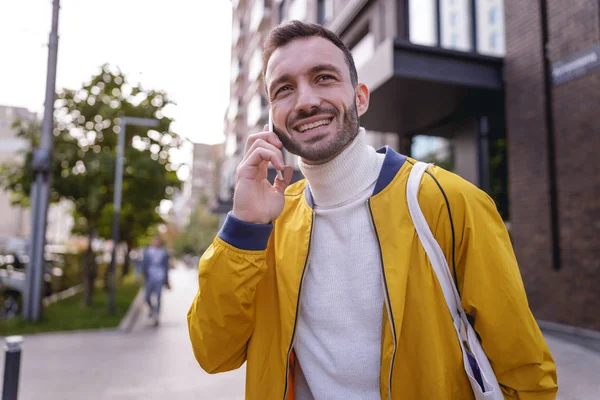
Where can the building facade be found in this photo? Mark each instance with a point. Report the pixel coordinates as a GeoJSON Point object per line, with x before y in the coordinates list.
{"type": "Point", "coordinates": [490, 89]}
{"type": "Point", "coordinates": [202, 183]}
{"type": "Point", "coordinates": [16, 221]}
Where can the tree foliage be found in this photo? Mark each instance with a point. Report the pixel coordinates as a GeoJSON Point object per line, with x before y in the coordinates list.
{"type": "Point", "coordinates": [199, 233]}
{"type": "Point", "coordinates": [87, 123]}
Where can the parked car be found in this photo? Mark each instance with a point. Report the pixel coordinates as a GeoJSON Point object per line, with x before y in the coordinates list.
{"type": "Point", "coordinates": [13, 280]}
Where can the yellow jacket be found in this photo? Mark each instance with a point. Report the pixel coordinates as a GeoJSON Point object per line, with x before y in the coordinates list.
{"type": "Point", "coordinates": [250, 280]}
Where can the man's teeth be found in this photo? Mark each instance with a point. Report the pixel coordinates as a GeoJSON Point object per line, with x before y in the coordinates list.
{"type": "Point", "coordinates": [312, 125]}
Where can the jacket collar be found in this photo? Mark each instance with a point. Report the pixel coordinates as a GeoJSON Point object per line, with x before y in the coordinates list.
{"type": "Point", "coordinates": [391, 165]}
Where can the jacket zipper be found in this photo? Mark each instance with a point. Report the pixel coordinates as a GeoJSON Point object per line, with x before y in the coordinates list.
{"type": "Point", "coordinates": [388, 304]}
{"type": "Point", "coordinates": [287, 362]}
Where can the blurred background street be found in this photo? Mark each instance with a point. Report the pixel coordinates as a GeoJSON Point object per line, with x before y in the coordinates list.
{"type": "Point", "coordinates": [124, 121]}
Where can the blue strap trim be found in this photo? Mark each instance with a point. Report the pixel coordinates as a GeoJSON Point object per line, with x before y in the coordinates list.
{"type": "Point", "coordinates": [308, 195]}
{"type": "Point", "coordinates": [244, 235]}
{"type": "Point", "coordinates": [391, 165]}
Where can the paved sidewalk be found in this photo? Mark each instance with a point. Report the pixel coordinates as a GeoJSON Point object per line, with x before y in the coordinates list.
{"type": "Point", "coordinates": [578, 370]}
{"type": "Point", "coordinates": [153, 363]}
{"type": "Point", "coordinates": [150, 363]}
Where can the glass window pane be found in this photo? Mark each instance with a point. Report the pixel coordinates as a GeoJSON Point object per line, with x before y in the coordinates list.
{"type": "Point", "coordinates": [455, 21]}
{"type": "Point", "coordinates": [434, 149]}
{"type": "Point", "coordinates": [297, 10]}
{"type": "Point", "coordinates": [490, 27]}
{"type": "Point", "coordinates": [254, 110]}
{"type": "Point", "coordinates": [422, 16]}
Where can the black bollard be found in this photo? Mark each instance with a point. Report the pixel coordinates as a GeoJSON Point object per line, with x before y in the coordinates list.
{"type": "Point", "coordinates": [12, 365]}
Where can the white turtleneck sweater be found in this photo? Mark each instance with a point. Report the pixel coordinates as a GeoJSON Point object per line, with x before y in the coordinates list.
{"type": "Point", "coordinates": [338, 333]}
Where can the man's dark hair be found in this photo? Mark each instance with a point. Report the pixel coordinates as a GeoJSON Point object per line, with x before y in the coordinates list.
{"type": "Point", "coordinates": [292, 30]}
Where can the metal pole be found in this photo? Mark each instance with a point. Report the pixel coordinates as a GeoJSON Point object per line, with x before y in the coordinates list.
{"type": "Point", "coordinates": [124, 121]}
{"type": "Point", "coordinates": [40, 189]}
{"type": "Point", "coordinates": [116, 214]}
{"type": "Point", "coordinates": [12, 366]}
{"type": "Point", "coordinates": [474, 26]}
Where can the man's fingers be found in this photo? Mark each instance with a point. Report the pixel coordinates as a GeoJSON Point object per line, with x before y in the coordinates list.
{"type": "Point", "coordinates": [261, 155]}
{"type": "Point", "coordinates": [288, 172]}
{"type": "Point", "coordinates": [279, 184]}
{"type": "Point", "coordinates": [269, 137]}
{"type": "Point", "coordinates": [260, 143]}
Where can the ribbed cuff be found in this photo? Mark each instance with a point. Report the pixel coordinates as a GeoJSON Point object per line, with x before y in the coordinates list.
{"type": "Point", "coordinates": [244, 235]}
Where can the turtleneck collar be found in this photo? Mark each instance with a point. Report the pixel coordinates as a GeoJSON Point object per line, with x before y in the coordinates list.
{"type": "Point", "coordinates": [349, 174]}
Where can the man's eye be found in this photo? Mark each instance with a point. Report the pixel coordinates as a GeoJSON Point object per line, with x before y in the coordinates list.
{"type": "Point", "coordinates": [325, 78]}
{"type": "Point", "coordinates": [282, 89]}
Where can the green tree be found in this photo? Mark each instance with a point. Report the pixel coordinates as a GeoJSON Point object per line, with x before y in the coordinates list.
{"type": "Point", "coordinates": [199, 233]}
{"type": "Point", "coordinates": [86, 131]}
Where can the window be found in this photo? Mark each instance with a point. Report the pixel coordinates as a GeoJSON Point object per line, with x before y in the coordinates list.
{"type": "Point", "coordinates": [422, 22]}
{"type": "Point", "coordinates": [492, 15]}
{"type": "Point", "coordinates": [254, 110]}
{"type": "Point", "coordinates": [233, 109]}
{"type": "Point", "coordinates": [255, 66]}
{"type": "Point", "coordinates": [493, 40]}
{"type": "Point", "coordinates": [257, 14]}
{"type": "Point", "coordinates": [297, 10]}
{"type": "Point", "coordinates": [434, 149]}
{"type": "Point", "coordinates": [490, 27]}
{"type": "Point", "coordinates": [230, 144]}
{"type": "Point", "coordinates": [235, 69]}
{"type": "Point", "coordinates": [455, 23]}
{"type": "Point", "coordinates": [236, 30]}
{"type": "Point", "coordinates": [454, 19]}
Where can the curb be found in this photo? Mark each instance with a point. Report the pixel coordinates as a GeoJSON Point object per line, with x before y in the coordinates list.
{"type": "Point", "coordinates": [584, 337]}
{"type": "Point", "coordinates": [133, 312]}
{"type": "Point", "coordinates": [70, 292]}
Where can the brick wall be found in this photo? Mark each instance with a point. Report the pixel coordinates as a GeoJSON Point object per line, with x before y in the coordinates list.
{"type": "Point", "coordinates": [573, 26]}
{"type": "Point", "coordinates": [569, 295]}
{"type": "Point", "coordinates": [527, 144]}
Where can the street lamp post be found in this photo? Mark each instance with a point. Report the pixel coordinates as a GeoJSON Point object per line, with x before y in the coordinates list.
{"type": "Point", "coordinates": [124, 121]}
{"type": "Point", "coordinates": [40, 188]}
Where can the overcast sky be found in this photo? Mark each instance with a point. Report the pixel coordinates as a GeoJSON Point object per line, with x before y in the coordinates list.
{"type": "Point", "coordinates": [180, 46]}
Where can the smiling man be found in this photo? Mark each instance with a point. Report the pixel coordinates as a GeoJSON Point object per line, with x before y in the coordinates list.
{"type": "Point", "coordinates": [323, 287]}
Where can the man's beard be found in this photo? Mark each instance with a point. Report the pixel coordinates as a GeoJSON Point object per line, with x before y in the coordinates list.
{"type": "Point", "coordinates": [315, 152]}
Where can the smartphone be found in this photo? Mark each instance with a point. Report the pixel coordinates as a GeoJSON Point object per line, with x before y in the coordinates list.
{"type": "Point", "coordinates": [279, 174]}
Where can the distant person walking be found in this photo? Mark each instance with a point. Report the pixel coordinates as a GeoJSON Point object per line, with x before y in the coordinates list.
{"type": "Point", "coordinates": [155, 268]}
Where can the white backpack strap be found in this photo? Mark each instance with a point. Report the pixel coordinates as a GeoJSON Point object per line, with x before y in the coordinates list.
{"type": "Point", "coordinates": [473, 354]}
{"type": "Point", "coordinates": [430, 244]}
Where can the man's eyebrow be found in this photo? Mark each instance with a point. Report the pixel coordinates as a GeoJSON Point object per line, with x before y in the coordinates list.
{"type": "Point", "coordinates": [325, 67]}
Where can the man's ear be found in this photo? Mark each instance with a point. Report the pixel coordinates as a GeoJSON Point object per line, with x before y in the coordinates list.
{"type": "Point", "coordinates": [362, 98]}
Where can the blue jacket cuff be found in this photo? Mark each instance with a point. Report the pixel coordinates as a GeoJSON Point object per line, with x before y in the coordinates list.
{"type": "Point", "coordinates": [244, 235]}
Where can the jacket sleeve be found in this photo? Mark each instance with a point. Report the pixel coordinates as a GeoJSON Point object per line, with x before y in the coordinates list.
{"type": "Point", "coordinates": [478, 248]}
{"type": "Point", "coordinates": [221, 318]}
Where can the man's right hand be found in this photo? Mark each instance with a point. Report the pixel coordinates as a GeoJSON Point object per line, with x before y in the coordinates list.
{"type": "Point", "coordinates": [255, 199]}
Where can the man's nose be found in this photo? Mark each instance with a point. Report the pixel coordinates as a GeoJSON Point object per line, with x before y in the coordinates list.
{"type": "Point", "coordinates": [307, 100]}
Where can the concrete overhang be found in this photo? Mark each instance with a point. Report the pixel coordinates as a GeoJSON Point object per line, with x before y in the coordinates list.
{"type": "Point", "coordinates": [414, 87]}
